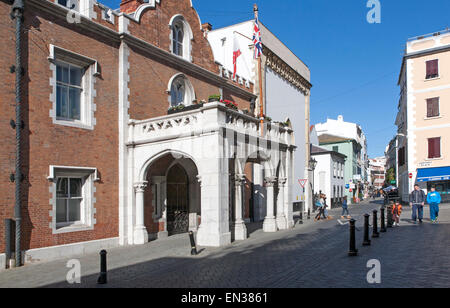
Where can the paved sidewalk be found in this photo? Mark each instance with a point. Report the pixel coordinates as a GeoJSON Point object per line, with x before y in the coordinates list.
{"type": "Point", "coordinates": [311, 255]}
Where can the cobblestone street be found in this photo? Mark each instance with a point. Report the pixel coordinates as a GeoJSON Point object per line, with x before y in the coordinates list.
{"type": "Point", "coordinates": [311, 255]}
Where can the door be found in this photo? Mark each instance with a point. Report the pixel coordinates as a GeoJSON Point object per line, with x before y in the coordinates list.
{"type": "Point", "coordinates": [177, 201]}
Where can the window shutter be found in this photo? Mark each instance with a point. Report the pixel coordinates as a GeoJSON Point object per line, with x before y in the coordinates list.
{"type": "Point", "coordinates": [430, 148]}
{"type": "Point", "coordinates": [434, 147]}
{"type": "Point", "coordinates": [433, 107]}
{"type": "Point", "coordinates": [436, 107]}
{"type": "Point", "coordinates": [437, 147]}
{"type": "Point", "coordinates": [432, 69]}
{"type": "Point", "coordinates": [429, 108]}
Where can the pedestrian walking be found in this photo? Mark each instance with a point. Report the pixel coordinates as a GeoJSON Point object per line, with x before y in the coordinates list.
{"type": "Point", "coordinates": [417, 201]}
{"type": "Point", "coordinates": [396, 213]}
{"type": "Point", "coordinates": [320, 206]}
{"type": "Point", "coordinates": [434, 200]}
{"type": "Point", "coordinates": [345, 209]}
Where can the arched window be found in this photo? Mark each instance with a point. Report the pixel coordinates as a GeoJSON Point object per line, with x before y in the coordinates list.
{"type": "Point", "coordinates": [181, 37]}
{"type": "Point", "coordinates": [177, 40]}
{"type": "Point", "coordinates": [178, 92]}
{"type": "Point", "coordinates": [181, 91]}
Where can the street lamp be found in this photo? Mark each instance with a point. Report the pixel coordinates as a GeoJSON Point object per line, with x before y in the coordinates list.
{"type": "Point", "coordinates": [396, 157]}
{"type": "Point", "coordinates": [396, 161]}
{"type": "Point", "coordinates": [312, 166]}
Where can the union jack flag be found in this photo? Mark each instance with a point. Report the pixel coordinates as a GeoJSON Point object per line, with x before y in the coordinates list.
{"type": "Point", "coordinates": [257, 40]}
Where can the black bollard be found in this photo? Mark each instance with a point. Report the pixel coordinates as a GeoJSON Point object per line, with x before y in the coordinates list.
{"type": "Point", "coordinates": [366, 230]}
{"type": "Point", "coordinates": [353, 252]}
{"type": "Point", "coordinates": [103, 269]}
{"type": "Point", "coordinates": [301, 217]}
{"type": "Point", "coordinates": [194, 247]}
{"type": "Point", "coordinates": [309, 214]}
{"type": "Point", "coordinates": [383, 220]}
{"type": "Point", "coordinates": [390, 221]}
{"type": "Point", "coordinates": [375, 224]}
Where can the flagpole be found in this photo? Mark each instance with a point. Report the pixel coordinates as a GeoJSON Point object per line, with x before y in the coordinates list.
{"type": "Point", "coordinates": [261, 98]}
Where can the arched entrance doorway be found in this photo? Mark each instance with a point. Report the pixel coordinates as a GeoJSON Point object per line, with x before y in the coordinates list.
{"type": "Point", "coordinates": [172, 195]}
{"type": "Point", "coordinates": [177, 200]}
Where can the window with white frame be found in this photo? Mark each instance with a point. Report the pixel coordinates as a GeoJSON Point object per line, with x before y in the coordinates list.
{"type": "Point", "coordinates": [73, 81]}
{"type": "Point", "coordinates": [73, 198]}
{"type": "Point", "coordinates": [68, 91]}
{"type": "Point", "coordinates": [177, 39]}
{"type": "Point", "coordinates": [181, 37]}
{"type": "Point", "coordinates": [181, 91]}
{"type": "Point", "coordinates": [178, 92]}
{"type": "Point", "coordinates": [69, 198]}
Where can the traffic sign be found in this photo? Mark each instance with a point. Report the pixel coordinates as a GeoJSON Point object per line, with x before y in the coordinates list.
{"type": "Point", "coordinates": [303, 182]}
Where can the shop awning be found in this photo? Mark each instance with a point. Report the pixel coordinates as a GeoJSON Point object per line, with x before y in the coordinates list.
{"type": "Point", "coordinates": [433, 174]}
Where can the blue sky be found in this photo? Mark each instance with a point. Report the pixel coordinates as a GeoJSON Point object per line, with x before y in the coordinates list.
{"type": "Point", "coordinates": [354, 65]}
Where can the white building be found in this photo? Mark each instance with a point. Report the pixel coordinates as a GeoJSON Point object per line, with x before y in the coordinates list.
{"type": "Point", "coordinates": [286, 84]}
{"type": "Point", "coordinates": [348, 139]}
{"type": "Point", "coordinates": [329, 176]}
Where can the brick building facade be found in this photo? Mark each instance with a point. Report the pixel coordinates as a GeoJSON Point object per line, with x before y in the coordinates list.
{"type": "Point", "coordinates": [101, 154]}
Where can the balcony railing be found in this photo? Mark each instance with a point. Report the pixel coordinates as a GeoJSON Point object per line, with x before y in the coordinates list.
{"type": "Point", "coordinates": [210, 117]}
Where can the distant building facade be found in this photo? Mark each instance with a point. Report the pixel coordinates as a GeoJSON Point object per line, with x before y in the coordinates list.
{"type": "Point", "coordinates": [423, 118]}
{"type": "Point", "coordinates": [329, 175]}
{"type": "Point", "coordinates": [377, 171]}
{"type": "Point", "coordinates": [348, 139]}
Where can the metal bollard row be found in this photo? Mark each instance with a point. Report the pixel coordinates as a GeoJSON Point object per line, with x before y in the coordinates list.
{"type": "Point", "coordinates": [386, 222]}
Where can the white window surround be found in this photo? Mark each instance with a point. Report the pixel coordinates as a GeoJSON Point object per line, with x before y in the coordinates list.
{"type": "Point", "coordinates": [91, 68]}
{"type": "Point", "coordinates": [433, 118]}
{"type": "Point", "coordinates": [87, 211]}
{"type": "Point", "coordinates": [187, 38]}
{"type": "Point", "coordinates": [189, 94]}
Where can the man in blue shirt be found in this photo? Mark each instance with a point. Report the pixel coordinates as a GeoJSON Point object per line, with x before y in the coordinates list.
{"type": "Point", "coordinates": [434, 199]}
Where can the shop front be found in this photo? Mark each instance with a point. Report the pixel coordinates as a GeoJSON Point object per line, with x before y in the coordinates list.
{"type": "Point", "coordinates": [436, 177]}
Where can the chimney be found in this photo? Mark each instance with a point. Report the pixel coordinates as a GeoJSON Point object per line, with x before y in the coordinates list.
{"type": "Point", "coordinates": [341, 118]}
{"type": "Point", "coordinates": [206, 27]}
{"type": "Point", "coordinates": [130, 6]}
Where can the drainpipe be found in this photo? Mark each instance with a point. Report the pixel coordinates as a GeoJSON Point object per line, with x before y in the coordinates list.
{"type": "Point", "coordinates": [17, 14]}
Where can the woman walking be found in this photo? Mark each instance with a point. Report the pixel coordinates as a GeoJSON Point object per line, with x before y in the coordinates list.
{"type": "Point", "coordinates": [345, 209]}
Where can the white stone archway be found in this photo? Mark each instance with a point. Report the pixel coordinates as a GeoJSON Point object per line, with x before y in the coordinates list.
{"type": "Point", "coordinates": [218, 141]}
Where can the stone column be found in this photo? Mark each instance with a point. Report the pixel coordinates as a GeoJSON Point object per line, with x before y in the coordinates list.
{"type": "Point", "coordinates": [140, 231]}
{"type": "Point", "coordinates": [281, 218]}
{"type": "Point", "coordinates": [214, 230]}
{"type": "Point", "coordinates": [270, 224]}
{"type": "Point", "coordinates": [240, 230]}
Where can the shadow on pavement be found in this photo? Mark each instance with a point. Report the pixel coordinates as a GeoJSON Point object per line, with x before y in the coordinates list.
{"type": "Point", "coordinates": [308, 259]}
